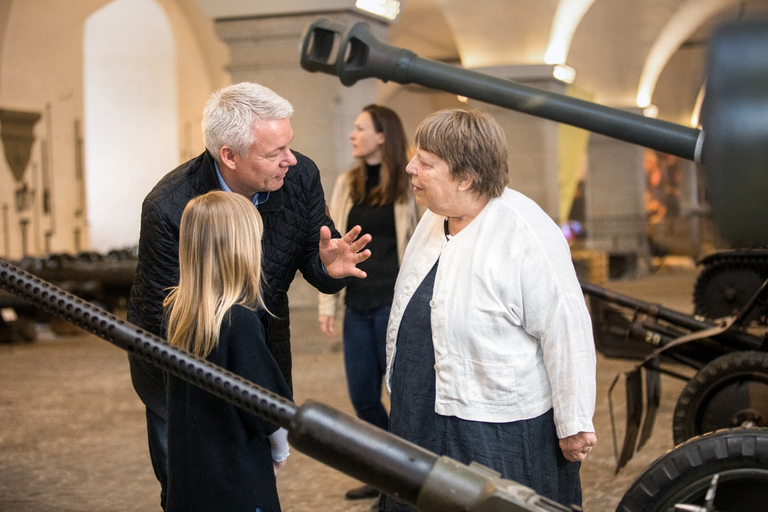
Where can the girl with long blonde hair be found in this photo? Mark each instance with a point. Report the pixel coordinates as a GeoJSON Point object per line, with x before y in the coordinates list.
{"type": "Point", "coordinates": [220, 457]}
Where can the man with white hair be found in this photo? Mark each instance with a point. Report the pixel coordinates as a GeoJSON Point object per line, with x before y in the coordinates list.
{"type": "Point", "coordinates": [247, 132]}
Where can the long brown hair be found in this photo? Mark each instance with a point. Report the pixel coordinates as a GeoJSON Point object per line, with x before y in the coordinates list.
{"type": "Point", "coordinates": [394, 184]}
{"type": "Point", "coordinates": [219, 266]}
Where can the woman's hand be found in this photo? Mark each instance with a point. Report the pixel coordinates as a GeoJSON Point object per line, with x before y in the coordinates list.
{"type": "Point", "coordinates": [577, 447]}
{"type": "Point", "coordinates": [326, 325]}
{"type": "Point", "coordinates": [277, 466]}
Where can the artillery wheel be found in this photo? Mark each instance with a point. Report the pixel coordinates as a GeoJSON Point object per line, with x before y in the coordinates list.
{"type": "Point", "coordinates": [725, 287]}
{"type": "Point", "coordinates": [730, 391]}
{"type": "Point", "coordinates": [683, 475]}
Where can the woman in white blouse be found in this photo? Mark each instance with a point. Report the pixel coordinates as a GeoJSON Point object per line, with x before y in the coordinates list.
{"type": "Point", "coordinates": [489, 343]}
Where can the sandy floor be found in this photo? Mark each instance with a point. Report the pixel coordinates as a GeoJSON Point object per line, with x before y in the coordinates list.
{"type": "Point", "coordinates": [72, 432]}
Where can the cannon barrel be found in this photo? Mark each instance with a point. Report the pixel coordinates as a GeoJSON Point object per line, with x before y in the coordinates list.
{"type": "Point", "coordinates": [393, 465]}
{"type": "Point", "coordinates": [360, 55]}
{"type": "Point", "coordinates": [735, 153]}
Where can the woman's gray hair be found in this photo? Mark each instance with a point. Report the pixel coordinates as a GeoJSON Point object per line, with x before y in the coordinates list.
{"type": "Point", "coordinates": [231, 112]}
{"type": "Point", "coordinates": [472, 144]}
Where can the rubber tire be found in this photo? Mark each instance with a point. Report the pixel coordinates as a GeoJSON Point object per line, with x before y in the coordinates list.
{"type": "Point", "coordinates": [705, 385]}
{"type": "Point", "coordinates": [684, 474]}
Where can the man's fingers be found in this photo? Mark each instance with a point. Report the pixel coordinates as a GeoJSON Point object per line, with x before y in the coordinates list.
{"type": "Point", "coordinates": [363, 255]}
{"type": "Point", "coordinates": [352, 234]}
{"type": "Point", "coordinates": [356, 244]}
{"type": "Point", "coordinates": [360, 243]}
{"type": "Point", "coordinates": [325, 235]}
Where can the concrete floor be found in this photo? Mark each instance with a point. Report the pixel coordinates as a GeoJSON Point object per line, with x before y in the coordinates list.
{"type": "Point", "coordinates": [72, 433]}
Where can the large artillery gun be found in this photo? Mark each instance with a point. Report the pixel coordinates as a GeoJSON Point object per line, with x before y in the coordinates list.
{"type": "Point", "coordinates": [104, 279]}
{"type": "Point", "coordinates": [734, 150]}
{"type": "Point", "coordinates": [724, 361]}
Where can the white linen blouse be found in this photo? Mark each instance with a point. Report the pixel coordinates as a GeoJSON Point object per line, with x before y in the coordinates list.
{"type": "Point", "coordinates": [510, 328]}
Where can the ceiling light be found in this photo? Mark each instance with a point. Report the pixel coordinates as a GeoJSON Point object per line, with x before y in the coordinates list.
{"type": "Point", "coordinates": [651, 111]}
{"type": "Point", "coordinates": [385, 8]}
{"type": "Point", "coordinates": [564, 73]}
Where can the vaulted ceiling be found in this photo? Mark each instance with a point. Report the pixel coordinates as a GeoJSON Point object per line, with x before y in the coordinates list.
{"type": "Point", "coordinates": [626, 53]}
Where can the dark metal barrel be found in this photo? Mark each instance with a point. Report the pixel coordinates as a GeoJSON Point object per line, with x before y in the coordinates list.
{"type": "Point", "coordinates": [360, 55]}
{"type": "Point", "coordinates": [147, 346]}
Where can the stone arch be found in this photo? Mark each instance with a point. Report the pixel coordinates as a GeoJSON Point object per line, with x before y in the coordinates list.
{"type": "Point", "coordinates": [680, 26]}
{"type": "Point", "coordinates": [130, 115]}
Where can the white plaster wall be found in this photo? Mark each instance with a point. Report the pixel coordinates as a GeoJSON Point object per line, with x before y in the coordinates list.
{"type": "Point", "coordinates": [130, 115]}
{"type": "Point", "coordinates": [41, 69]}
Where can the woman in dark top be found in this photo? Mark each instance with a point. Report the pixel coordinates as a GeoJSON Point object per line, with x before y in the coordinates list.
{"type": "Point", "coordinates": [375, 195]}
{"type": "Point", "coordinates": [221, 458]}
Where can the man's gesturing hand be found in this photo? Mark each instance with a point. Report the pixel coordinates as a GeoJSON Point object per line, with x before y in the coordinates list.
{"type": "Point", "coordinates": [341, 255]}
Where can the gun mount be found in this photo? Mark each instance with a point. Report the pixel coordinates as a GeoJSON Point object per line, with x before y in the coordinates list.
{"type": "Point", "coordinates": [728, 382]}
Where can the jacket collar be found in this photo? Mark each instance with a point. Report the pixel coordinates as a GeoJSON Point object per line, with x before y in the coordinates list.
{"type": "Point", "coordinates": [275, 201]}
{"type": "Point", "coordinates": [208, 167]}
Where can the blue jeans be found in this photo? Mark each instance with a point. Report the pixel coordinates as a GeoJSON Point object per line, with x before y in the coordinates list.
{"type": "Point", "coordinates": [365, 360]}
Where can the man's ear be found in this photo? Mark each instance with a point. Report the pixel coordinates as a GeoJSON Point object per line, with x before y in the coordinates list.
{"type": "Point", "coordinates": [227, 155]}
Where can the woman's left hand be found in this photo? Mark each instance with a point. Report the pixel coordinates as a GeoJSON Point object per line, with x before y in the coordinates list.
{"type": "Point", "coordinates": [277, 466]}
{"type": "Point", "coordinates": [577, 447]}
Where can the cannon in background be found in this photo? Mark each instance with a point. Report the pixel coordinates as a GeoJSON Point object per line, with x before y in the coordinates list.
{"type": "Point", "coordinates": [102, 279]}
{"type": "Point", "coordinates": [729, 384]}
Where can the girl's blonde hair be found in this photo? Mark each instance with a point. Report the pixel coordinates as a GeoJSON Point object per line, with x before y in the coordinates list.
{"type": "Point", "coordinates": [219, 266]}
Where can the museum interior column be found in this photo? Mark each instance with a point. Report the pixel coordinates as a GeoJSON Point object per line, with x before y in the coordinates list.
{"type": "Point", "coordinates": [615, 204]}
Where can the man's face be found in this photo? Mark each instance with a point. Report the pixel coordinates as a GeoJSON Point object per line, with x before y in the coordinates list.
{"type": "Point", "coordinates": [264, 167]}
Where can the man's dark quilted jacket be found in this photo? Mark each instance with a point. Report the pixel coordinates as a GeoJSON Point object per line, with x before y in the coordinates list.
{"type": "Point", "coordinates": [292, 218]}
